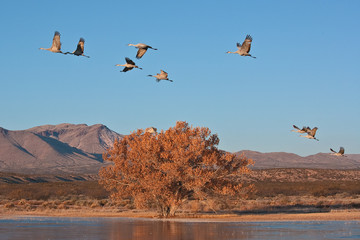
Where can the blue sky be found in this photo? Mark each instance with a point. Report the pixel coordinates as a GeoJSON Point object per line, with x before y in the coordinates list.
{"type": "Point", "coordinates": [307, 70]}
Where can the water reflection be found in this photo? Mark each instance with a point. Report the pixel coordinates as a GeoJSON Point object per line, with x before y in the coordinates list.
{"type": "Point", "coordinates": [125, 229]}
{"type": "Point", "coordinates": [176, 230]}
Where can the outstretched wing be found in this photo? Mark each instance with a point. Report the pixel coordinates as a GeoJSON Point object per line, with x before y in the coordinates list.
{"type": "Point", "coordinates": [245, 47]}
{"type": "Point", "coordinates": [312, 132]}
{"type": "Point", "coordinates": [342, 150]}
{"type": "Point", "coordinates": [56, 44]}
{"type": "Point", "coordinates": [129, 61]}
{"type": "Point", "coordinates": [332, 150]}
{"type": "Point", "coordinates": [163, 73]}
{"type": "Point", "coordinates": [126, 69]}
{"type": "Point", "coordinates": [140, 53]}
{"type": "Point", "coordinates": [238, 45]}
{"type": "Point", "coordinates": [80, 47]}
{"type": "Point", "coordinates": [296, 127]}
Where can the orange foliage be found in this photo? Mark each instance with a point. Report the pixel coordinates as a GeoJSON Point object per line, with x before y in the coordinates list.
{"type": "Point", "coordinates": [165, 169]}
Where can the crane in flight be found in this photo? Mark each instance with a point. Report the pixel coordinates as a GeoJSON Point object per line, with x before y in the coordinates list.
{"type": "Point", "coordinates": [340, 153]}
{"type": "Point", "coordinates": [161, 76]}
{"type": "Point", "coordinates": [79, 49]}
{"type": "Point", "coordinates": [142, 48]}
{"type": "Point", "coordinates": [244, 49]}
{"type": "Point", "coordinates": [56, 44]}
{"type": "Point", "coordinates": [128, 65]}
{"type": "Point", "coordinates": [311, 133]}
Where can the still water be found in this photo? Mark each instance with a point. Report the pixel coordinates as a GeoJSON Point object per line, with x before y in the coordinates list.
{"type": "Point", "coordinates": [125, 229]}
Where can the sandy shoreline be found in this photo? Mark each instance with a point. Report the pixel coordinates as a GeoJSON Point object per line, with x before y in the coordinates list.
{"type": "Point", "coordinates": [338, 215]}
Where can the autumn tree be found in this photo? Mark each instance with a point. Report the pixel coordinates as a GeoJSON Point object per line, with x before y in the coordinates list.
{"type": "Point", "coordinates": [165, 169]}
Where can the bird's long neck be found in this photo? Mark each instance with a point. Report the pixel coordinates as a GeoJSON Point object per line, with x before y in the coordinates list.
{"type": "Point", "coordinates": [230, 52]}
{"type": "Point", "coordinates": [130, 44]}
{"type": "Point", "coordinates": [48, 49]}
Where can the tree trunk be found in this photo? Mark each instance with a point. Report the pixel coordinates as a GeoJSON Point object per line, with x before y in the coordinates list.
{"type": "Point", "coordinates": [168, 211]}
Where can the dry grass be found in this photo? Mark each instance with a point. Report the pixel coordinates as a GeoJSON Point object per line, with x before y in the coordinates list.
{"type": "Point", "coordinates": [269, 197]}
{"type": "Point", "coordinates": [52, 190]}
{"type": "Point", "coordinates": [317, 188]}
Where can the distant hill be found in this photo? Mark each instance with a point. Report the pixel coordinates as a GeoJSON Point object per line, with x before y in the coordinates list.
{"type": "Point", "coordinates": [91, 139]}
{"type": "Point", "coordinates": [290, 160]}
{"type": "Point", "coordinates": [77, 149]}
{"type": "Point", "coordinates": [63, 148]}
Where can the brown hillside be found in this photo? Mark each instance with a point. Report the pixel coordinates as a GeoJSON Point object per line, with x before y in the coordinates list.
{"type": "Point", "coordinates": [64, 148]}
{"type": "Point", "coordinates": [92, 139]}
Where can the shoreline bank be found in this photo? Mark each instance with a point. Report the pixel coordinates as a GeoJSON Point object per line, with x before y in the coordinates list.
{"type": "Point", "coordinates": [334, 215]}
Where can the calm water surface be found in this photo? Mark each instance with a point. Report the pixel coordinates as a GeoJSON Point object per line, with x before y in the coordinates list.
{"type": "Point", "coordinates": [125, 229]}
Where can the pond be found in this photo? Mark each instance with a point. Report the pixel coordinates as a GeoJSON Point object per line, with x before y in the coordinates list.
{"type": "Point", "coordinates": [17, 228]}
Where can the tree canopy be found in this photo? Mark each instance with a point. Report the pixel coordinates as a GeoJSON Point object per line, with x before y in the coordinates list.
{"type": "Point", "coordinates": [166, 169]}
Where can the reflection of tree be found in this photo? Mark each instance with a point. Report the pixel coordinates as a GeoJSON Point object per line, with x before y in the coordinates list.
{"type": "Point", "coordinates": [168, 230]}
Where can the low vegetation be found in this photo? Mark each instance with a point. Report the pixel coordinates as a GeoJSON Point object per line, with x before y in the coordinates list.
{"type": "Point", "coordinates": [315, 189]}
{"type": "Point", "coordinates": [52, 190]}
{"type": "Point", "coordinates": [269, 197]}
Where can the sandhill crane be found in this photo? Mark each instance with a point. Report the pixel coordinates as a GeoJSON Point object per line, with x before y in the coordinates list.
{"type": "Point", "coordinates": [142, 49]}
{"type": "Point", "coordinates": [311, 133]}
{"type": "Point", "coordinates": [298, 130]}
{"type": "Point", "coordinates": [161, 76]}
{"type": "Point", "coordinates": [79, 49]}
{"type": "Point", "coordinates": [244, 49]}
{"type": "Point", "coordinates": [340, 153]}
{"type": "Point", "coordinates": [151, 130]}
{"type": "Point", "coordinates": [128, 65]}
{"type": "Point", "coordinates": [56, 44]}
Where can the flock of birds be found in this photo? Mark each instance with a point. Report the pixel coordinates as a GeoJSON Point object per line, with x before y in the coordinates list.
{"type": "Point", "coordinates": [242, 49]}
{"type": "Point", "coordinates": [310, 134]}
{"type": "Point", "coordinates": [129, 65]}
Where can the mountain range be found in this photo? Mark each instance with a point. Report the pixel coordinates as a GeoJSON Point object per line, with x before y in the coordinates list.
{"type": "Point", "coordinates": [291, 160]}
{"type": "Point", "coordinates": [77, 149]}
{"type": "Point", "coordinates": [63, 148]}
